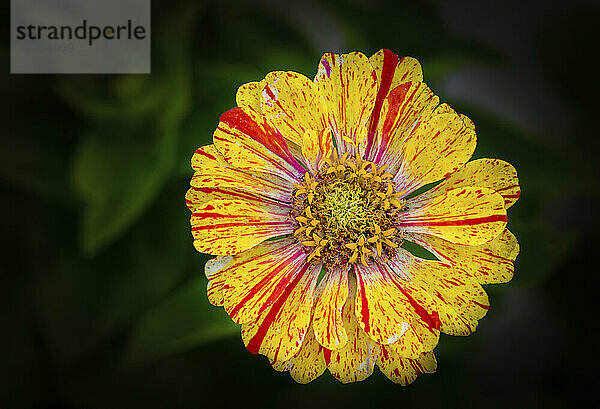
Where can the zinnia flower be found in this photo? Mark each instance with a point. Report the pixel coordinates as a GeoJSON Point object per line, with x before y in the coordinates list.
{"type": "Point", "coordinates": [307, 197]}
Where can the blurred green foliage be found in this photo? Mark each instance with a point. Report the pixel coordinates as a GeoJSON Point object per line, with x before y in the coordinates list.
{"type": "Point", "coordinates": [103, 291]}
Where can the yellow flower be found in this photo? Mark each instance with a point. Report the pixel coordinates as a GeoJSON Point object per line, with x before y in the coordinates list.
{"type": "Point", "coordinates": [306, 197]}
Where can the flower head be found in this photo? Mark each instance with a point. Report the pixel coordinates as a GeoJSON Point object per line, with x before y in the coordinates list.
{"type": "Point", "coordinates": [307, 197]}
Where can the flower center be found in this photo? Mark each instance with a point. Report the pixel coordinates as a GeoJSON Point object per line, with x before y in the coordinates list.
{"type": "Point", "coordinates": [347, 212]}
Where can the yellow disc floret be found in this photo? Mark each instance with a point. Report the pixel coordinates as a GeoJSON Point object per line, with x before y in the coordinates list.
{"type": "Point", "coordinates": [347, 212]}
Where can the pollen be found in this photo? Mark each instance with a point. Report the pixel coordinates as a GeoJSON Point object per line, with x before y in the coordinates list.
{"type": "Point", "coordinates": [347, 212]}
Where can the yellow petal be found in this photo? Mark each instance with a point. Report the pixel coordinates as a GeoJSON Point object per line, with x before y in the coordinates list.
{"type": "Point", "coordinates": [248, 141]}
{"type": "Point", "coordinates": [423, 333]}
{"type": "Point", "coordinates": [197, 197]}
{"type": "Point", "coordinates": [228, 227]}
{"type": "Point", "coordinates": [327, 320]}
{"type": "Point", "coordinates": [439, 145]}
{"type": "Point", "coordinates": [310, 149]}
{"type": "Point", "coordinates": [211, 181]}
{"type": "Point", "coordinates": [279, 331]}
{"type": "Point", "coordinates": [349, 142]}
{"type": "Point", "coordinates": [206, 158]}
{"type": "Point", "coordinates": [494, 174]}
{"type": "Point", "coordinates": [390, 72]}
{"type": "Point", "coordinates": [347, 84]}
{"type": "Point", "coordinates": [400, 109]}
{"type": "Point", "coordinates": [459, 301]}
{"type": "Point", "coordinates": [468, 215]}
{"type": "Point", "coordinates": [417, 339]}
{"type": "Point", "coordinates": [291, 102]}
{"type": "Point", "coordinates": [393, 70]}
{"type": "Point", "coordinates": [248, 96]}
{"type": "Point", "coordinates": [444, 108]}
{"type": "Point", "coordinates": [260, 276]}
{"type": "Point", "coordinates": [381, 308]}
{"type": "Point", "coordinates": [488, 263]}
{"type": "Point", "coordinates": [404, 371]}
{"type": "Point", "coordinates": [225, 183]}
{"type": "Point", "coordinates": [215, 270]}
{"type": "Point", "coordinates": [361, 135]}
{"type": "Point", "coordinates": [355, 361]}
{"type": "Point", "coordinates": [467, 121]}
{"type": "Point", "coordinates": [308, 364]}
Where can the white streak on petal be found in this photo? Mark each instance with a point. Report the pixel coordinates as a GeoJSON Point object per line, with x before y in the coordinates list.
{"type": "Point", "coordinates": [214, 265]}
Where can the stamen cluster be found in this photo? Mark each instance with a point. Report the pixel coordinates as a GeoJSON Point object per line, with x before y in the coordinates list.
{"type": "Point", "coordinates": [347, 212]}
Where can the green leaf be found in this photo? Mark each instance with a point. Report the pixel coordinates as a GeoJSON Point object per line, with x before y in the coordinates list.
{"type": "Point", "coordinates": [84, 301]}
{"type": "Point", "coordinates": [117, 181]}
{"type": "Point", "coordinates": [118, 176]}
{"type": "Point", "coordinates": [124, 98]}
{"type": "Point", "coordinates": [184, 320]}
{"type": "Point", "coordinates": [418, 250]}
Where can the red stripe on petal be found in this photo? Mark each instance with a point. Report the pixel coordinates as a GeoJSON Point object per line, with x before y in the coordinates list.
{"type": "Point", "coordinates": [204, 152]}
{"type": "Point", "coordinates": [238, 224]}
{"type": "Point", "coordinates": [485, 307]}
{"type": "Point", "coordinates": [506, 188]}
{"type": "Point", "coordinates": [365, 303]}
{"type": "Point", "coordinates": [327, 355]}
{"type": "Point", "coordinates": [256, 341]}
{"type": "Point", "coordinates": [390, 61]}
{"type": "Point", "coordinates": [463, 222]}
{"type": "Point", "coordinates": [396, 99]}
{"type": "Point", "coordinates": [267, 280]}
{"type": "Point", "coordinates": [268, 136]}
{"type": "Point", "coordinates": [432, 320]}
{"type": "Point", "coordinates": [237, 193]}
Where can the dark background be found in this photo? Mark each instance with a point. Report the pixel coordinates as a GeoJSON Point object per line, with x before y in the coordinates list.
{"type": "Point", "coordinates": [103, 296]}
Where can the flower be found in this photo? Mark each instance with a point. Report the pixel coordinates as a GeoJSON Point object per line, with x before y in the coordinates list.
{"type": "Point", "coordinates": [307, 197]}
